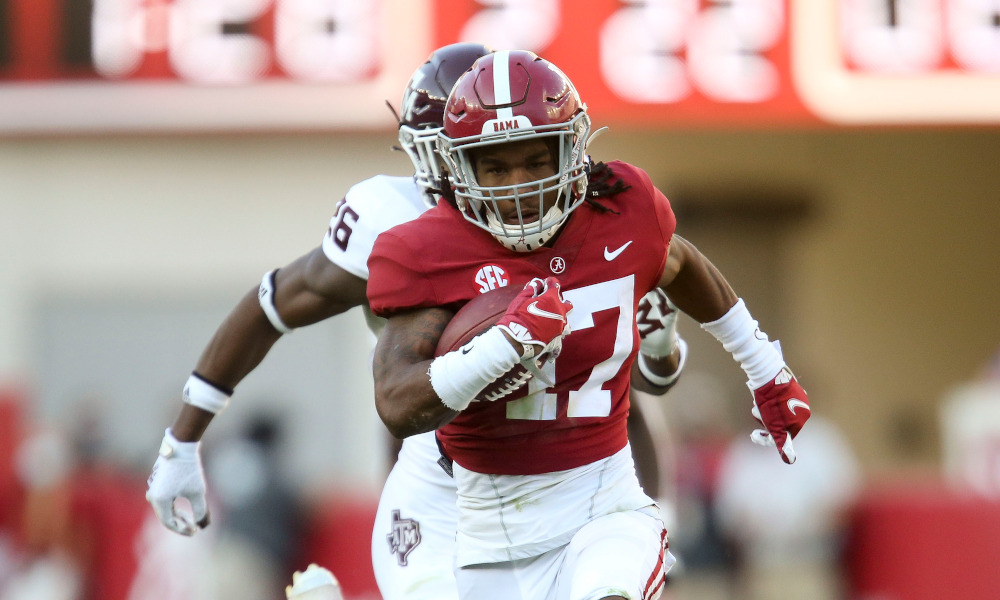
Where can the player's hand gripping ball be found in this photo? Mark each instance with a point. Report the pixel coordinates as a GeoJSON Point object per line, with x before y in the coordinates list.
{"type": "Point", "coordinates": [474, 318]}
{"type": "Point", "coordinates": [538, 318]}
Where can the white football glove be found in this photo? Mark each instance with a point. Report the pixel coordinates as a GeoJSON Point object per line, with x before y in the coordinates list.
{"type": "Point", "coordinates": [178, 473]}
{"type": "Point", "coordinates": [315, 583]}
{"type": "Point", "coordinates": [657, 323]}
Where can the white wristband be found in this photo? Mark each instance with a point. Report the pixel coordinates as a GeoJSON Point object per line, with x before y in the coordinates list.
{"type": "Point", "coordinates": [659, 380]}
{"type": "Point", "coordinates": [737, 330]}
{"type": "Point", "coordinates": [265, 295]}
{"type": "Point", "coordinates": [204, 395]}
{"type": "Point", "coordinates": [461, 374]}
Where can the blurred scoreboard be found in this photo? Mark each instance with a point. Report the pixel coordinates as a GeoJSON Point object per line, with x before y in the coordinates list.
{"type": "Point", "coordinates": [319, 65]}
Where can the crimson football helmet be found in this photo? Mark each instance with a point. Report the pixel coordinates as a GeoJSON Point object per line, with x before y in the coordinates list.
{"type": "Point", "coordinates": [423, 110]}
{"type": "Point", "coordinates": [510, 96]}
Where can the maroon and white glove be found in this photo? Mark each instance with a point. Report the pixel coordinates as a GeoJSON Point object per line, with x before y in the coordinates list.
{"type": "Point", "coordinates": [537, 318]}
{"type": "Point", "coordinates": [782, 406]}
{"type": "Point", "coordinates": [656, 319]}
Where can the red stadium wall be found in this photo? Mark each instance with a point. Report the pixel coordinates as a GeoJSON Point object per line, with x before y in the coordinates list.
{"type": "Point", "coordinates": [924, 544]}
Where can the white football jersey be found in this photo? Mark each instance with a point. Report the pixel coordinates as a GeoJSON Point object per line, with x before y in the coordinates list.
{"type": "Point", "coordinates": [369, 208]}
{"type": "Point", "coordinates": [417, 516]}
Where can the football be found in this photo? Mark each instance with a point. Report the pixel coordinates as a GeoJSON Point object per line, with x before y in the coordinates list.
{"type": "Point", "coordinates": [474, 318]}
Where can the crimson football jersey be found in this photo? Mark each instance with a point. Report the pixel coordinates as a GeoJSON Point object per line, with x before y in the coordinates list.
{"type": "Point", "coordinates": [605, 262]}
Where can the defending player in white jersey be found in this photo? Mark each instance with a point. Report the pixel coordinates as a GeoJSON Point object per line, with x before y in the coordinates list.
{"type": "Point", "coordinates": [415, 526]}
{"type": "Point", "coordinates": [549, 504]}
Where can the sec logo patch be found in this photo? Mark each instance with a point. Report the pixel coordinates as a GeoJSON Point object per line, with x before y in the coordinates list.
{"type": "Point", "coordinates": [491, 277]}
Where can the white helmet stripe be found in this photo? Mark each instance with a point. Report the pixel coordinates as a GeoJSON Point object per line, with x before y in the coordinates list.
{"type": "Point", "coordinates": [501, 84]}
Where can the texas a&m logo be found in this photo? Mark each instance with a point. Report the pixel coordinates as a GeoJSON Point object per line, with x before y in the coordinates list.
{"type": "Point", "coordinates": [405, 536]}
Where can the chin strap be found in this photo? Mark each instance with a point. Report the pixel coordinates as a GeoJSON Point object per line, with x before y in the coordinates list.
{"type": "Point", "coordinates": [529, 242]}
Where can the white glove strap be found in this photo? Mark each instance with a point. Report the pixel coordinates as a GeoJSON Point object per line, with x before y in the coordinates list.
{"type": "Point", "coordinates": [531, 347]}
{"type": "Point", "coordinates": [171, 447]}
{"type": "Point", "coordinates": [740, 336]}
{"type": "Point", "coordinates": [659, 380]}
{"type": "Point", "coordinates": [265, 295]}
{"type": "Point", "coordinates": [204, 395]}
{"type": "Point", "coordinates": [461, 374]}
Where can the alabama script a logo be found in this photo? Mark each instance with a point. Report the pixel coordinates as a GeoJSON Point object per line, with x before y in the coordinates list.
{"type": "Point", "coordinates": [404, 538]}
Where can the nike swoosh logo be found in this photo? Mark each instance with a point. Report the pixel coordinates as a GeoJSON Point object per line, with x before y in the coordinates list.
{"type": "Point", "coordinates": [611, 255]}
{"type": "Point", "coordinates": [796, 402]}
{"type": "Point", "coordinates": [533, 309]}
{"type": "Point", "coordinates": [468, 348]}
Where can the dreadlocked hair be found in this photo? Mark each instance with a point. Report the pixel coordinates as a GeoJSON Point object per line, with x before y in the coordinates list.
{"type": "Point", "coordinates": [444, 190]}
{"type": "Point", "coordinates": [602, 183]}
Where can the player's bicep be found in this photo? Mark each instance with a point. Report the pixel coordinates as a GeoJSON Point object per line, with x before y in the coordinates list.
{"type": "Point", "coordinates": [694, 284]}
{"type": "Point", "coordinates": [677, 254]}
{"type": "Point", "coordinates": [313, 288]}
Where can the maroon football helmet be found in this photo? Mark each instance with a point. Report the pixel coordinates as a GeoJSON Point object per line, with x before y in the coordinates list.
{"type": "Point", "coordinates": [510, 96]}
{"type": "Point", "coordinates": [423, 109]}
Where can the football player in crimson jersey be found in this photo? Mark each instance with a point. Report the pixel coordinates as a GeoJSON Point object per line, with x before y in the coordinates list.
{"type": "Point", "coordinates": [549, 504]}
{"type": "Point", "coordinates": [416, 519]}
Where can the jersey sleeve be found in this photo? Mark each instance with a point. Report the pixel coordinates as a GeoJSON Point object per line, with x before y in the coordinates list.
{"type": "Point", "coordinates": [396, 283]}
{"type": "Point", "coordinates": [662, 220]}
{"type": "Point", "coordinates": [667, 222]}
{"type": "Point", "coordinates": [665, 217]}
{"type": "Point", "coordinates": [369, 208]}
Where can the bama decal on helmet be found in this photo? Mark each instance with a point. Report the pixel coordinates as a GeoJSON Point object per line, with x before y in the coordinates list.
{"type": "Point", "coordinates": [501, 124]}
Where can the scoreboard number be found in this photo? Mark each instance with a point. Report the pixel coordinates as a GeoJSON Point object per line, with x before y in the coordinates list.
{"type": "Point", "coordinates": [212, 42]}
{"type": "Point", "coordinates": [898, 61]}
{"type": "Point", "coordinates": [921, 36]}
{"type": "Point", "coordinates": [660, 51]}
{"type": "Point", "coordinates": [508, 24]}
{"type": "Point", "coordinates": [224, 65]}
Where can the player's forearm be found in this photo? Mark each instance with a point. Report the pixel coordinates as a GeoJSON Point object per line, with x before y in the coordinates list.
{"type": "Point", "coordinates": [408, 405]}
{"type": "Point", "coordinates": [663, 369]}
{"type": "Point", "coordinates": [239, 345]}
{"type": "Point", "coordinates": [191, 423]}
{"type": "Point", "coordinates": [404, 397]}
